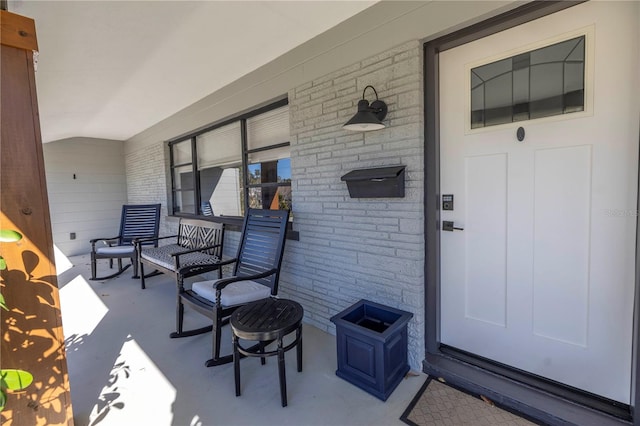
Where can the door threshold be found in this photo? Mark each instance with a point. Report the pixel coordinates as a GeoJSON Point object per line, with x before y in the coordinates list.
{"type": "Point", "coordinates": [536, 403]}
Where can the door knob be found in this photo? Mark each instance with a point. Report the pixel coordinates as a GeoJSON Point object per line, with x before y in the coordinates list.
{"type": "Point", "coordinates": [447, 225]}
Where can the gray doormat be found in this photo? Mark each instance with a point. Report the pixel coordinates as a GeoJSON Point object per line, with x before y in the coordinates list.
{"type": "Point", "coordinates": [437, 403]}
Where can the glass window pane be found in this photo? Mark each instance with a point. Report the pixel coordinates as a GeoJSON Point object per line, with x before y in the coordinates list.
{"type": "Point", "coordinates": [270, 172]}
{"type": "Point", "coordinates": [183, 178]}
{"type": "Point", "coordinates": [222, 188]}
{"type": "Point", "coordinates": [182, 152]}
{"type": "Point", "coordinates": [558, 52]}
{"type": "Point", "coordinates": [219, 147]}
{"type": "Point", "coordinates": [521, 94]}
{"type": "Point", "coordinates": [498, 100]}
{"type": "Point", "coordinates": [546, 90]}
{"type": "Point", "coordinates": [574, 87]}
{"type": "Point", "coordinates": [275, 198]}
{"type": "Point", "coordinates": [284, 170]}
{"type": "Point", "coordinates": [183, 202]}
{"type": "Point", "coordinates": [477, 107]}
{"type": "Point", "coordinates": [578, 51]}
{"type": "Point", "coordinates": [269, 128]}
{"type": "Point", "coordinates": [493, 70]}
{"type": "Point", "coordinates": [255, 198]}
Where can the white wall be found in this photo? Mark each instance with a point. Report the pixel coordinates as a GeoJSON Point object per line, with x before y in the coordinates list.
{"type": "Point", "coordinates": [90, 204]}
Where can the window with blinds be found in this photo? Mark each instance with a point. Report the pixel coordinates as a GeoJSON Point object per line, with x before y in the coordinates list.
{"type": "Point", "coordinates": [268, 158]}
{"type": "Point", "coordinates": [228, 167]}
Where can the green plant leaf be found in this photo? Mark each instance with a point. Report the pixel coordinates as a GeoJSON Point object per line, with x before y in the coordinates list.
{"type": "Point", "coordinates": [3, 264]}
{"type": "Point", "coordinates": [3, 399]}
{"type": "Point", "coordinates": [15, 379]}
{"type": "Point", "coordinates": [9, 236]}
{"type": "Point", "coordinates": [2, 304]}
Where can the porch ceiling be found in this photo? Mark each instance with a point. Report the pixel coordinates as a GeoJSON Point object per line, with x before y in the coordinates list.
{"type": "Point", "coordinates": [111, 69]}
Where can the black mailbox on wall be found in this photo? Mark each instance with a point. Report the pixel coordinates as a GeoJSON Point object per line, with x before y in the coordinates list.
{"type": "Point", "coordinates": [380, 182]}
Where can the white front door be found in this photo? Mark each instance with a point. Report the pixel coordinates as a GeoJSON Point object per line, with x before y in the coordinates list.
{"type": "Point", "coordinates": [541, 275]}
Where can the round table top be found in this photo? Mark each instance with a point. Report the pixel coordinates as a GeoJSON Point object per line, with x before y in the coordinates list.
{"type": "Point", "coordinates": [266, 319]}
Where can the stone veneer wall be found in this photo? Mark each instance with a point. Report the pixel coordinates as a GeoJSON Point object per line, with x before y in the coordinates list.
{"type": "Point", "coordinates": [353, 248]}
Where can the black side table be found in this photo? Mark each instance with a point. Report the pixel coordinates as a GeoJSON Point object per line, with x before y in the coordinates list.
{"type": "Point", "coordinates": [265, 321]}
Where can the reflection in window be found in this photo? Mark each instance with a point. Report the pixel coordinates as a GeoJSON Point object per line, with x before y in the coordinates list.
{"type": "Point", "coordinates": [270, 185]}
{"type": "Point", "coordinates": [219, 169]}
{"type": "Point", "coordinates": [540, 83]}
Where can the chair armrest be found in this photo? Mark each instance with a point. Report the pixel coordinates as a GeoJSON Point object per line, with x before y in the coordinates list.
{"type": "Point", "coordinates": [95, 240]}
{"type": "Point", "coordinates": [226, 281]}
{"type": "Point", "coordinates": [106, 240]}
{"type": "Point", "coordinates": [195, 269]}
{"type": "Point", "coordinates": [146, 240]}
{"type": "Point", "coordinates": [220, 284]}
{"type": "Point", "coordinates": [138, 242]}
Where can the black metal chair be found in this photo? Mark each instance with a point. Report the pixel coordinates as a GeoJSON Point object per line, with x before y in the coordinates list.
{"type": "Point", "coordinates": [255, 276]}
{"type": "Point", "coordinates": [196, 249]}
{"type": "Point", "coordinates": [137, 221]}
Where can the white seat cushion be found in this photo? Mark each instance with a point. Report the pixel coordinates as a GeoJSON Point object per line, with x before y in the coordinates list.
{"type": "Point", "coordinates": [234, 294]}
{"type": "Point", "coordinates": [115, 251]}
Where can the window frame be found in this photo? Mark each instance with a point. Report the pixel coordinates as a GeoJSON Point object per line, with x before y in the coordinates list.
{"type": "Point", "coordinates": [245, 152]}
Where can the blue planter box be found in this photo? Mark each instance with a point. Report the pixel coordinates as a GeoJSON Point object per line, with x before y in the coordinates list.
{"type": "Point", "coordinates": [372, 346]}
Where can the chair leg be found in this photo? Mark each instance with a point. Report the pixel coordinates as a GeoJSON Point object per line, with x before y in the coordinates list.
{"type": "Point", "coordinates": [93, 266]}
{"type": "Point", "coordinates": [299, 347]}
{"type": "Point", "coordinates": [94, 276]}
{"type": "Point", "coordinates": [263, 360]}
{"type": "Point", "coordinates": [217, 334]}
{"type": "Point", "coordinates": [142, 275]}
{"type": "Point", "coordinates": [180, 324]}
{"type": "Point", "coordinates": [282, 374]}
{"type": "Point", "coordinates": [179, 315]}
{"type": "Point", "coordinates": [236, 363]}
{"type": "Point", "coordinates": [134, 262]}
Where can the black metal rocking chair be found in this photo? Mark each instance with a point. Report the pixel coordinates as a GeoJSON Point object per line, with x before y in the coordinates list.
{"type": "Point", "coordinates": [255, 276]}
{"type": "Point", "coordinates": [137, 221]}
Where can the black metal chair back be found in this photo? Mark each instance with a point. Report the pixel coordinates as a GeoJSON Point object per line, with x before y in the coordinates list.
{"type": "Point", "coordinates": [262, 245]}
{"type": "Point", "coordinates": [138, 222]}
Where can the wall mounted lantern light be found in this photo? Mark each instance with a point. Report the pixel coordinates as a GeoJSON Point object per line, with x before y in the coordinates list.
{"type": "Point", "coordinates": [369, 116]}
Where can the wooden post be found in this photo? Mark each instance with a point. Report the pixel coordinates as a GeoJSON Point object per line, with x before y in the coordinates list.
{"type": "Point", "coordinates": [31, 331]}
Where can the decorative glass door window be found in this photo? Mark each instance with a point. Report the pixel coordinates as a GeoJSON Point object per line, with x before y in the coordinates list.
{"type": "Point", "coordinates": [539, 83]}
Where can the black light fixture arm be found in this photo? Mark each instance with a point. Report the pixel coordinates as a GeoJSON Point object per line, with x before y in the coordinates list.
{"type": "Point", "coordinates": [372, 88]}
{"type": "Point", "coordinates": [377, 107]}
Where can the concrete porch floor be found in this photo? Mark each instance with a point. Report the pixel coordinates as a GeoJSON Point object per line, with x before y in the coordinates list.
{"type": "Point", "coordinates": [124, 369]}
